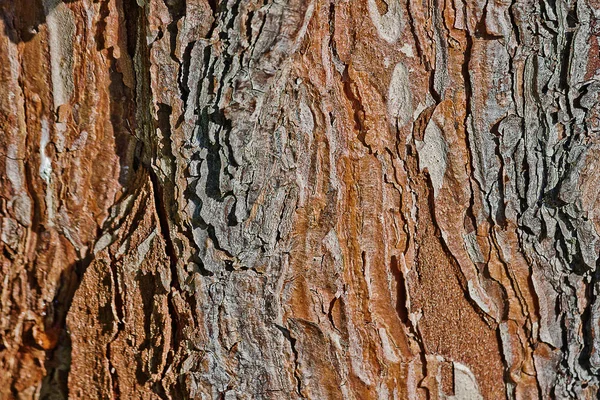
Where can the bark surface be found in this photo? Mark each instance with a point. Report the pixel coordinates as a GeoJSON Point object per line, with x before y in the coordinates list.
{"type": "Point", "coordinates": [366, 199]}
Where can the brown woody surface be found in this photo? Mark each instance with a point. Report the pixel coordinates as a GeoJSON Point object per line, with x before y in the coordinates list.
{"type": "Point", "coordinates": [359, 199]}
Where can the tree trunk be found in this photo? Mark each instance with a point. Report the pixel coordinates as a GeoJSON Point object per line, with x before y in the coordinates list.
{"type": "Point", "coordinates": [367, 199]}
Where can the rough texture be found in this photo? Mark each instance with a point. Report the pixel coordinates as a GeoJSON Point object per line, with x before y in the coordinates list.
{"type": "Point", "coordinates": [365, 199]}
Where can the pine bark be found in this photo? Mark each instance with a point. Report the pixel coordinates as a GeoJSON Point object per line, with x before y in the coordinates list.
{"type": "Point", "coordinates": [366, 199]}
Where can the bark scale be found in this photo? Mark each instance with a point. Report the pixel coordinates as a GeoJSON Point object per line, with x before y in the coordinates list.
{"type": "Point", "coordinates": [299, 199]}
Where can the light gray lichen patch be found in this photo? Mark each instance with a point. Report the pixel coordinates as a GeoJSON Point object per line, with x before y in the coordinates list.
{"type": "Point", "coordinates": [433, 155]}
{"type": "Point", "coordinates": [399, 97]}
{"type": "Point", "coordinates": [465, 384]}
{"type": "Point", "coordinates": [61, 32]}
{"type": "Point", "coordinates": [389, 25]}
{"type": "Point", "coordinates": [472, 248]}
{"type": "Point", "coordinates": [13, 169]}
{"type": "Point", "coordinates": [307, 123]}
{"type": "Point", "coordinates": [45, 162]}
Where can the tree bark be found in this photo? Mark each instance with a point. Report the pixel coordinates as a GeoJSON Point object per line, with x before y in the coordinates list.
{"type": "Point", "coordinates": [367, 199]}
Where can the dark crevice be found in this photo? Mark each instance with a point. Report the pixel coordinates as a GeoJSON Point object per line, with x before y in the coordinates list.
{"type": "Point", "coordinates": [249, 29]}
{"type": "Point", "coordinates": [470, 214]}
{"type": "Point", "coordinates": [330, 313]}
{"type": "Point", "coordinates": [231, 217]}
{"type": "Point", "coordinates": [357, 107]}
{"type": "Point", "coordinates": [434, 94]}
{"type": "Point", "coordinates": [401, 309]}
{"type": "Point", "coordinates": [287, 334]}
{"type": "Point", "coordinates": [331, 21]}
{"type": "Point", "coordinates": [210, 229]}
{"type": "Point", "coordinates": [163, 218]}
{"type": "Point", "coordinates": [176, 11]}
{"type": "Point", "coordinates": [101, 26]}
{"type": "Point", "coordinates": [500, 217]}
{"type": "Point", "coordinates": [184, 72]}
{"type": "Point", "coordinates": [589, 330]}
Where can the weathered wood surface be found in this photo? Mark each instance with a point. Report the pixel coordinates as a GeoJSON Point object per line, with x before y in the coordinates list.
{"type": "Point", "coordinates": [365, 199]}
